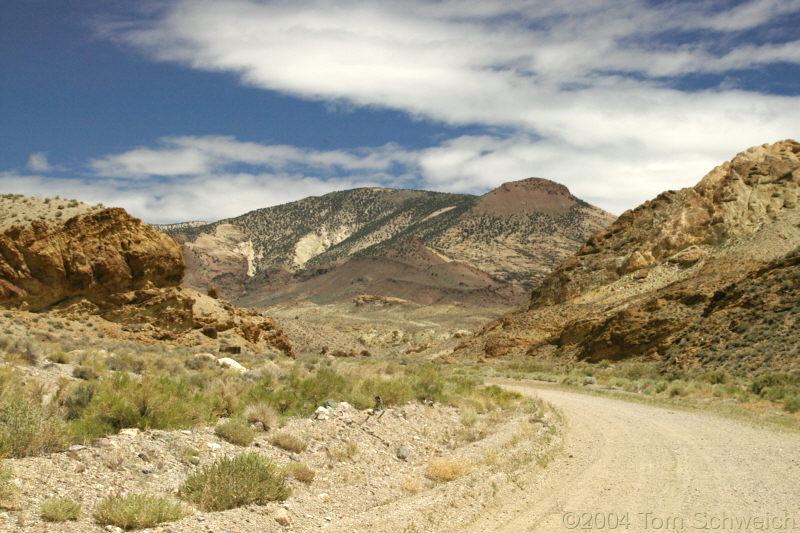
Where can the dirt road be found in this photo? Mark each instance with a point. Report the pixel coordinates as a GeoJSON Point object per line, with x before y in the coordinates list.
{"type": "Point", "coordinates": [637, 468]}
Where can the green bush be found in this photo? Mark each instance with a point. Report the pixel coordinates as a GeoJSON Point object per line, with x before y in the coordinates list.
{"type": "Point", "coordinates": [792, 403]}
{"type": "Point", "coordinates": [236, 431]}
{"type": "Point", "coordinates": [135, 511]}
{"type": "Point", "coordinates": [241, 480]}
{"type": "Point", "coordinates": [27, 428]}
{"type": "Point", "coordinates": [119, 401]}
{"type": "Point", "coordinates": [775, 385]}
{"type": "Point", "coordinates": [60, 510]}
{"type": "Point", "coordinates": [718, 377]}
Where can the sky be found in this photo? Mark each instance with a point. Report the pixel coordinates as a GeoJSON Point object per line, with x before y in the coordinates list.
{"type": "Point", "coordinates": [184, 110]}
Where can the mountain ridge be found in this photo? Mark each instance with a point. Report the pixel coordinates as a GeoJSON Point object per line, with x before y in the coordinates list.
{"type": "Point", "coordinates": [503, 242]}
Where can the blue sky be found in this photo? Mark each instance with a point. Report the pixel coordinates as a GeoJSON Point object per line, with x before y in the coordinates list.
{"type": "Point", "coordinates": [185, 110]}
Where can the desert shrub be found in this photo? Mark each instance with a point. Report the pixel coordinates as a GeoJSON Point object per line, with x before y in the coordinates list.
{"type": "Point", "coordinates": [717, 377]}
{"type": "Point", "coordinates": [468, 417]}
{"type": "Point", "coordinates": [58, 356]}
{"type": "Point", "coordinates": [84, 372]}
{"type": "Point", "coordinates": [638, 370]}
{"type": "Point", "coordinates": [8, 491]}
{"type": "Point", "coordinates": [775, 385]}
{"type": "Point", "coordinates": [792, 403]}
{"type": "Point", "coordinates": [301, 392]}
{"type": "Point", "coordinates": [447, 468]}
{"type": "Point", "coordinates": [119, 401]}
{"type": "Point", "coordinates": [289, 441]}
{"type": "Point", "coordinates": [299, 471]}
{"type": "Point", "coordinates": [618, 382]}
{"type": "Point", "coordinates": [28, 428]}
{"type": "Point", "coordinates": [135, 511]}
{"type": "Point", "coordinates": [60, 510]}
{"type": "Point", "coordinates": [236, 431]}
{"type": "Point", "coordinates": [676, 388]}
{"type": "Point", "coordinates": [241, 480]}
{"type": "Point", "coordinates": [392, 392]}
{"type": "Point", "coordinates": [261, 412]}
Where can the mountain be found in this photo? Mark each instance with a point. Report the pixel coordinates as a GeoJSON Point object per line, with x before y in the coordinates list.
{"type": "Point", "coordinates": [701, 277]}
{"type": "Point", "coordinates": [422, 246]}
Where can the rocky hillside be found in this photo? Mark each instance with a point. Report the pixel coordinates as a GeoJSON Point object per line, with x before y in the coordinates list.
{"type": "Point", "coordinates": [687, 278]}
{"type": "Point", "coordinates": [105, 263]}
{"type": "Point", "coordinates": [419, 245]}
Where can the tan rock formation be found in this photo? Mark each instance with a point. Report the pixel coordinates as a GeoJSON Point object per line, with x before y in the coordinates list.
{"type": "Point", "coordinates": [92, 256]}
{"type": "Point", "coordinates": [637, 288]}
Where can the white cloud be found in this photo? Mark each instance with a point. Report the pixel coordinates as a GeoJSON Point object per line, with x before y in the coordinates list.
{"type": "Point", "coordinates": [584, 77]}
{"type": "Point", "coordinates": [608, 177]}
{"type": "Point", "coordinates": [582, 87]}
{"type": "Point", "coordinates": [37, 162]}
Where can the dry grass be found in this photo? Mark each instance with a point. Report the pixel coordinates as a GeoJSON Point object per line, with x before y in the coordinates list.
{"type": "Point", "coordinates": [235, 431]}
{"type": "Point", "coordinates": [60, 510]}
{"type": "Point", "coordinates": [136, 511]}
{"type": "Point", "coordinates": [300, 472]}
{"type": "Point", "coordinates": [447, 468]}
{"type": "Point", "coordinates": [8, 491]}
{"type": "Point", "coordinates": [289, 442]}
{"type": "Point", "coordinates": [261, 412]}
{"type": "Point", "coordinates": [411, 485]}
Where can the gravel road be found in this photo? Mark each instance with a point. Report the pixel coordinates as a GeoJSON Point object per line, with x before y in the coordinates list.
{"type": "Point", "coordinates": [639, 468]}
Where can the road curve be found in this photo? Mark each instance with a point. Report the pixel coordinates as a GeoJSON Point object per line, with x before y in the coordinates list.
{"type": "Point", "coordinates": [639, 468]}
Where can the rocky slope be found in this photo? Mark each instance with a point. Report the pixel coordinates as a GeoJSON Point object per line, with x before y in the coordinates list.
{"type": "Point", "coordinates": [662, 280]}
{"type": "Point", "coordinates": [103, 262]}
{"type": "Point", "coordinates": [418, 245]}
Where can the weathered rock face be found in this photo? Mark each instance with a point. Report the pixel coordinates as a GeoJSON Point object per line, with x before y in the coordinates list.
{"type": "Point", "coordinates": [758, 190]}
{"type": "Point", "coordinates": [173, 313]}
{"type": "Point", "coordinates": [661, 270]}
{"type": "Point", "coordinates": [92, 256]}
{"type": "Point", "coordinates": [105, 262]}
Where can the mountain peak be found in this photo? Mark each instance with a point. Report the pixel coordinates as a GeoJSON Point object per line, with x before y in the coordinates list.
{"type": "Point", "coordinates": [526, 196]}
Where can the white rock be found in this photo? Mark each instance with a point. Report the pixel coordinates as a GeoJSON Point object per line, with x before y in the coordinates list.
{"type": "Point", "coordinates": [282, 517]}
{"type": "Point", "coordinates": [129, 432]}
{"type": "Point", "coordinates": [227, 362]}
{"type": "Point", "coordinates": [213, 445]}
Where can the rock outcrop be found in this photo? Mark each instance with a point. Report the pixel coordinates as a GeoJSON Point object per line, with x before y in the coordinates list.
{"type": "Point", "coordinates": [107, 263]}
{"type": "Point", "coordinates": [663, 269]}
{"type": "Point", "coordinates": [91, 256]}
